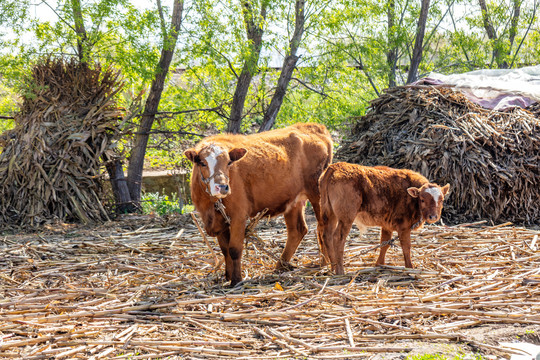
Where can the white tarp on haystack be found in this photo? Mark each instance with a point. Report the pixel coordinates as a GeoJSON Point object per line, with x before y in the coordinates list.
{"type": "Point", "coordinates": [498, 89]}
{"type": "Point", "coordinates": [530, 351]}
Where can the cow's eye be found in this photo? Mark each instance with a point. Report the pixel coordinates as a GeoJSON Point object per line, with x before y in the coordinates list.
{"type": "Point", "coordinates": [422, 200]}
{"type": "Point", "coordinates": [202, 164]}
{"type": "Point", "coordinates": [230, 163]}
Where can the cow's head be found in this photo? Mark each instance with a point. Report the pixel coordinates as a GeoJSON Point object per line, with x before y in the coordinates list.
{"type": "Point", "coordinates": [430, 199]}
{"type": "Point", "coordinates": [213, 162]}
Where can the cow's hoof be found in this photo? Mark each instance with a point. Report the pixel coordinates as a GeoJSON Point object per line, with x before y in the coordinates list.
{"type": "Point", "coordinates": [284, 266]}
{"type": "Point", "coordinates": [235, 282]}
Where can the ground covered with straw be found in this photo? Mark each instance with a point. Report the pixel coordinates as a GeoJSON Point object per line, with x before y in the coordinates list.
{"type": "Point", "coordinates": [143, 288]}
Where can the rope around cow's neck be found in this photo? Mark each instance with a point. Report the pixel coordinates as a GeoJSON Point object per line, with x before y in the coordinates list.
{"type": "Point", "coordinates": [218, 205]}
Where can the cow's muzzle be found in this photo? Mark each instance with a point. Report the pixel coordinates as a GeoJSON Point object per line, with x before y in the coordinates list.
{"type": "Point", "coordinates": [221, 190]}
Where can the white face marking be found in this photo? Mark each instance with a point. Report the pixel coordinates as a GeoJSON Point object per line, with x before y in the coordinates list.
{"type": "Point", "coordinates": [435, 193]}
{"type": "Point", "coordinates": [211, 160]}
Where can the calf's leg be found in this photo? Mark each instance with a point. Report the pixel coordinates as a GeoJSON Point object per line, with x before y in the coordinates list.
{"type": "Point", "coordinates": [296, 229]}
{"type": "Point", "coordinates": [405, 240]}
{"type": "Point", "coordinates": [386, 235]}
{"type": "Point", "coordinates": [340, 237]}
{"type": "Point", "coordinates": [326, 232]}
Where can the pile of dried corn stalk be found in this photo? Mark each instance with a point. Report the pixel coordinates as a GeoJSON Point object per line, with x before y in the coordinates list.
{"type": "Point", "coordinates": [131, 290]}
{"type": "Point", "coordinates": [490, 158]}
{"type": "Point", "coordinates": [51, 161]}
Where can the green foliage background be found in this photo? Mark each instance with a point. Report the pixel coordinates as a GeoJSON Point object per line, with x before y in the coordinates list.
{"type": "Point", "coordinates": [343, 62]}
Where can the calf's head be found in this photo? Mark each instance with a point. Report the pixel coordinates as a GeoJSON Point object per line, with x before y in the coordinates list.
{"type": "Point", "coordinates": [430, 199]}
{"type": "Point", "coordinates": [213, 163]}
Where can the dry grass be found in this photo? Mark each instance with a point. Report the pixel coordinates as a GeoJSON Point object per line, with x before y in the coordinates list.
{"type": "Point", "coordinates": [143, 289]}
{"type": "Point", "coordinates": [67, 128]}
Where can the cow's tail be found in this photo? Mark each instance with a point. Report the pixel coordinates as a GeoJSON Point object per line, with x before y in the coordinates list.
{"type": "Point", "coordinates": [326, 224]}
{"type": "Point", "coordinates": [324, 185]}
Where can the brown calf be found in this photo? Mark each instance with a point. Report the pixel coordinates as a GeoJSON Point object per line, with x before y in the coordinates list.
{"type": "Point", "coordinates": [276, 170]}
{"type": "Point", "coordinates": [395, 200]}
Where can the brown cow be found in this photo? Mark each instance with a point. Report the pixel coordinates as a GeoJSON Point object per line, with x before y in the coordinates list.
{"type": "Point", "coordinates": [395, 200]}
{"type": "Point", "coordinates": [276, 170]}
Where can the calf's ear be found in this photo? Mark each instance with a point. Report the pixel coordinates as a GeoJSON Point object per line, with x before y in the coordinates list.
{"type": "Point", "coordinates": [191, 155]}
{"type": "Point", "coordinates": [414, 192]}
{"type": "Point", "coordinates": [445, 189]}
{"type": "Point", "coordinates": [237, 154]}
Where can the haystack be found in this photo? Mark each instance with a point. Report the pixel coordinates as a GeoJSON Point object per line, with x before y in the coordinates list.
{"type": "Point", "coordinates": [490, 158]}
{"type": "Point", "coordinates": [52, 161]}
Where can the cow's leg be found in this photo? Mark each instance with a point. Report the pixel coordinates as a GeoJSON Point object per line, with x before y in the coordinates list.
{"type": "Point", "coordinates": [236, 247]}
{"type": "Point", "coordinates": [386, 235]}
{"type": "Point", "coordinates": [314, 199]}
{"type": "Point", "coordinates": [405, 240]}
{"type": "Point", "coordinates": [223, 240]}
{"type": "Point", "coordinates": [296, 229]}
{"type": "Point", "coordinates": [340, 237]}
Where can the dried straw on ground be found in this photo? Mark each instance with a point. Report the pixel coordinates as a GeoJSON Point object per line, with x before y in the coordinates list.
{"type": "Point", "coordinates": [490, 158]}
{"type": "Point", "coordinates": [130, 290]}
{"type": "Point", "coordinates": [51, 161]}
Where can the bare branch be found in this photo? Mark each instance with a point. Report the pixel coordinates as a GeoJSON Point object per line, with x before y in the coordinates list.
{"type": "Point", "coordinates": [312, 89]}
{"type": "Point", "coordinates": [360, 63]}
{"type": "Point", "coordinates": [59, 17]}
{"type": "Point", "coordinates": [514, 22]}
{"type": "Point", "coordinates": [533, 17]}
{"type": "Point", "coordinates": [162, 19]}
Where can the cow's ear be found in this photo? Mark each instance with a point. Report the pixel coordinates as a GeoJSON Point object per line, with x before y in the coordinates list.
{"type": "Point", "coordinates": [237, 154]}
{"type": "Point", "coordinates": [414, 192]}
{"type": "Point", "coordinates": [192, 155]}
{"type": "Point", "coordinates": [445, 189]}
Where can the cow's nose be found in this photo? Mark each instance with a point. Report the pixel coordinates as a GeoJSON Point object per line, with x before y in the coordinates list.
{"type": "Point", "coordinates": [224, 189]}
{"type": "Point", "coordinates": [432, 217]}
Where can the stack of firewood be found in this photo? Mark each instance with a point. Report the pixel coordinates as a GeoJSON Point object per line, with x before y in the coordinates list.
{"type": "Point", "coordinates": [51, 165]}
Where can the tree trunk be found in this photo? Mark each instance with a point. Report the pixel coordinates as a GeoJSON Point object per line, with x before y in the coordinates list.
{"type": "Point", "coordinates": [270, 114]}
{"type": "Point", "coordinates": [289, 64]}
{"type": "Point", "coordinates": [418, 43]}
{"type": "Point", "coordinates": [239, 99]}
{"type": "Point", "coordinates": [119, 187]}
{"type": "Point", "coordinates": [80, 31]}
{"type": "Point", "coordinates": [254, 30]}
{"type": "Point", "coordinates": [514, 25]}
{"type": "Point", "coordinates": [136, 160]}
{"type": "Point", "coordinates": [491, 33]}
{"type": "Point", "coordinates": [391, 55]}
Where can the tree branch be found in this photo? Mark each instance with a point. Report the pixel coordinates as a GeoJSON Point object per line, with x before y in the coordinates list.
{"type": "Point", "coordinates": [59, 17]}
{"type": "Point", "coordinates": [179, 132]}
{"type": "Point", "coordinates": [514, 23]}
{"type": "Point", "coordinates": [360, 63]}
{"type": "Point", "coordinates": [216, 108]}
{"type": "Point", "coordinates": [162, 19]}
{"type": "Point", "coordinates": [231, 67]}
{"type": "Point", "coordinates": [311, 89]}
{"type": "Point", "coordinates": [536, 3]}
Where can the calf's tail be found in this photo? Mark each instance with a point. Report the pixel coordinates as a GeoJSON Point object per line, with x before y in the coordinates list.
{"type": "Point", "coordinates": [326, 204]}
